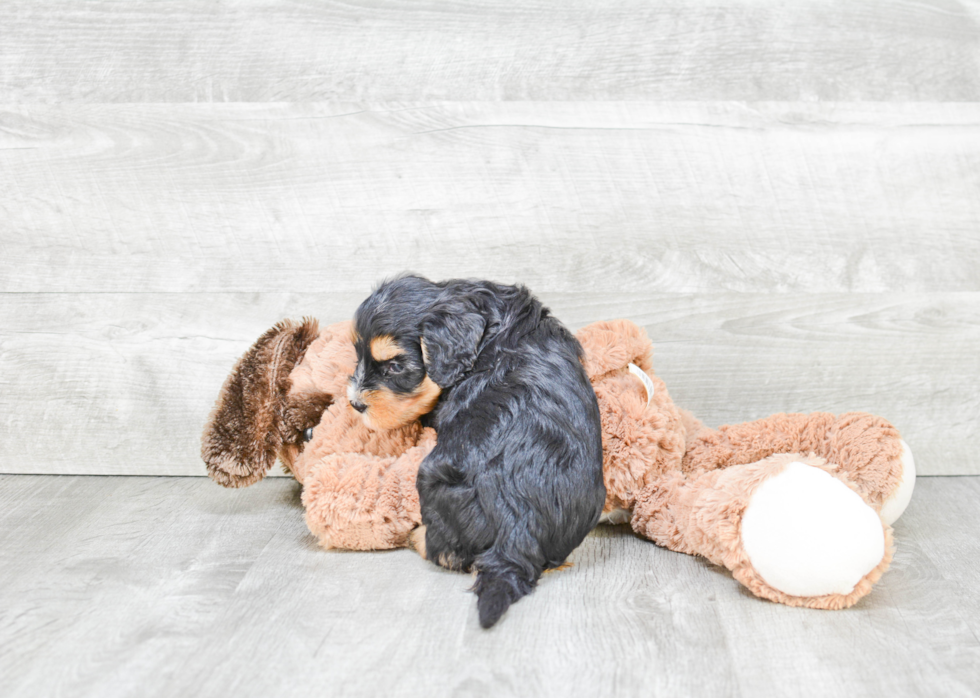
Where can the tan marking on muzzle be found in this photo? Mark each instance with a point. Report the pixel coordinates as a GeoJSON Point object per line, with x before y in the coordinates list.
{"type": "Point", "coordinates": [390, 410]}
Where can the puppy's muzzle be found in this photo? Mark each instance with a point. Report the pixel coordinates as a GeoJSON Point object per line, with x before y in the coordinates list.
{"type": "Point", "coordinates": [353, 396]}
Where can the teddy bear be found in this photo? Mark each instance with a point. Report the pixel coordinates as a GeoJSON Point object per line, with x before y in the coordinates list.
{"type": "Point", "coordinates": [798, 507]}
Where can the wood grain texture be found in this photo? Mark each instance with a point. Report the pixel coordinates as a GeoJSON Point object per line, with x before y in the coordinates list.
{"type": "Point", "coordinates": [173, 586]}
{"type": "Point", "coordinates": [198, 51]}
{"type": "Point", "coordinates": [122, 383]}
{"type": "Point", "coordinates": [565, 197]}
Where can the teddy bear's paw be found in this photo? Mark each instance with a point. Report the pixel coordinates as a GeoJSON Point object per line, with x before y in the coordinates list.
{"type": "Point", "coordinates": [894, 506]}
{"type": "Point", "coordinates": [807, 534]}
{"type": "Point", "coordinates": [615, 517]}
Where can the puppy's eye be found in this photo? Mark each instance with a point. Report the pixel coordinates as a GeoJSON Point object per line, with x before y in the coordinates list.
{"type": "Point", "coordinates": [308, 434]}
{"type": "Point", "coordinates": [393, 367]}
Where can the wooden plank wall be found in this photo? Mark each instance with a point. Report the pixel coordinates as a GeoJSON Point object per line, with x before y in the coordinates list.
{"type": "Point", "coordinates": [785, 194]}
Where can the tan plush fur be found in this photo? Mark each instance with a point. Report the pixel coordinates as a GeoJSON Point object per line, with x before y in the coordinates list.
{"type": "Point", "coordinates": [685, 486]}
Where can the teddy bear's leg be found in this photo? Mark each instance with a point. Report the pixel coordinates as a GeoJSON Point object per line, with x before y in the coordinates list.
{"type": "Point", "coordinates": [358, 502]}
{"type": "Point", "coordinates": [895, 503]}
{"type": "Point", "coordinates": [806, 534]}
{"type": "Point", "coordinates": [786, 527]}
{"type": "Point", "coordinates": [864, 447]}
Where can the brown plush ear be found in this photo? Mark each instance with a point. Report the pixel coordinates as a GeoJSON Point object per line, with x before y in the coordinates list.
{"type": "Point", "coordinates": [247, 427]}
{"type": "Point", "coordinates": [612, 345]}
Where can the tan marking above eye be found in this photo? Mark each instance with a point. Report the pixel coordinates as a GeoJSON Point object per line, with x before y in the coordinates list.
{"type": "Point", "coordinates": [384, 348]}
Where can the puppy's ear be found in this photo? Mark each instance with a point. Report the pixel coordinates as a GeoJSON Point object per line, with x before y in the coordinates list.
{"type": "Point", "coordinates": [450, 338]}
{"type": "Point", "coordinates": [247, 427]}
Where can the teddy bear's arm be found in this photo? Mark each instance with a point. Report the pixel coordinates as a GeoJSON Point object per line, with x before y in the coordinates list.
{"type": "Point", "coordinates": [361, 502]}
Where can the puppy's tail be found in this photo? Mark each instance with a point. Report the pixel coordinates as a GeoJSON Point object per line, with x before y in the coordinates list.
{"type": "Point", "coordinates": [499, 584]}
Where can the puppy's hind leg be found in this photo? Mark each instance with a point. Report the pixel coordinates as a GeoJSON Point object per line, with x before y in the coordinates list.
{"type": "Point", "coordinates": [416, 540]}
{"type": "Point", "coordinates": [430, 542]}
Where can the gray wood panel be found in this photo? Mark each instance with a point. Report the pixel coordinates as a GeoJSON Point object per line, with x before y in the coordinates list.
{"type": "Point", "coordinates": [674, 162]}
{"type": "Point", "coordinates": [575, 197]}
{"type": "Point", "coordinates": [122, 383]}
{"type": "Point", "coordinates": [174, 586]}
{"type": "Point", "coordinates": [199, 51]}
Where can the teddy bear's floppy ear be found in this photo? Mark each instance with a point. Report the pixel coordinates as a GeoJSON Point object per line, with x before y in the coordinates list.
{"type": "Point", "coordinates": [247, 427]}
{"type": "Point", "coordinates": [611, 345]}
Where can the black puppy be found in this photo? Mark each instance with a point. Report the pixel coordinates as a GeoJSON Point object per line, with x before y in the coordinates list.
{"type": "Point", "coordinates": [515, 482]}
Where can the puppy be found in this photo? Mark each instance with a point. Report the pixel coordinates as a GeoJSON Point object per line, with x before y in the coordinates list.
{"type": "Point", "coordinates": [515, 482]}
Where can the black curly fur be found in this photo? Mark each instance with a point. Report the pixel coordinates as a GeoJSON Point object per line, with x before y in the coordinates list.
{"type": "Point", "coordinates": [515, 482]}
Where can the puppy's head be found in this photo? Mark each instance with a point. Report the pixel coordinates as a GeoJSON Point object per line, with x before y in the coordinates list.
{"type": "Point", "coordinates": [390, 387]}
{"type": "Point", "coordinates": [413, 339]}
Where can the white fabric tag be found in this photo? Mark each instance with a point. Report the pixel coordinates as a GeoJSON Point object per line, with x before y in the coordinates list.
{"type": "Point", "coordinates": [645, 379]}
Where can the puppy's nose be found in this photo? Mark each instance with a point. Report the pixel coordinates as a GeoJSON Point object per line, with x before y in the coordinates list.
{"type": "Point", "coordinates": [359, 406]}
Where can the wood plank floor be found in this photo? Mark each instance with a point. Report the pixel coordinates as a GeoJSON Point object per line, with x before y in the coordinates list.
{"type": "Point", "coordinates": [140, 586]}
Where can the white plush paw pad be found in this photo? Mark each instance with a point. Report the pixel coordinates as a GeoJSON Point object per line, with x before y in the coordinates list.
{"type": "Point", "coordinates": [616, 516]}
{"type": "Point", "coordinates": [808, 534]}
{"type": "Point", "coordinates": [893, 507]}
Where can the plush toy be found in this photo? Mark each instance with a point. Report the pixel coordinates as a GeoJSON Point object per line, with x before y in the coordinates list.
{"type": "Point", "coordinates": [797, 506]}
